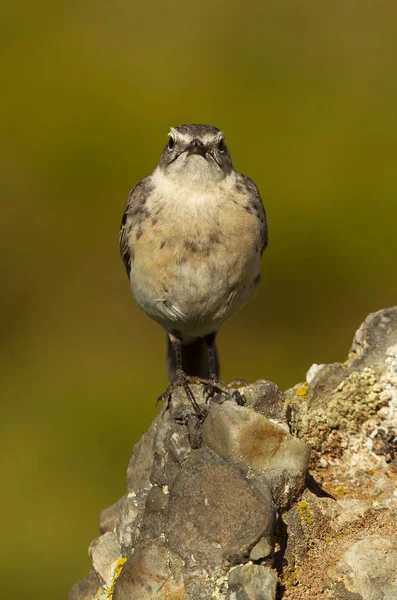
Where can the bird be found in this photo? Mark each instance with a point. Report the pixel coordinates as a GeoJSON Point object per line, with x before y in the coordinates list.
{"type": "Point", "coordinates": [191, 239]}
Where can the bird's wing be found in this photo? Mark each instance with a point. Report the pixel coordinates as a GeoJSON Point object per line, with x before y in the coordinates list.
{"type": "Point", "coordinates": [258, 208]}
{"type": "Point", "coordinates": [134, 215]}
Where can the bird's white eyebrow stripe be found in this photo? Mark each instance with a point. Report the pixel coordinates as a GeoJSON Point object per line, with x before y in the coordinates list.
{"type": "Point", "coordinates": [188, 137]}
{"type": "Point", "coordinates": [181, 136]}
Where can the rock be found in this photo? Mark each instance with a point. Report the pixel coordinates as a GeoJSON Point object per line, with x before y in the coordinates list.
{"type": "Point", "coordinates": [261, 550]}
{"type": "Point", "coordinates": [105, 553]}
{"type": "Point", "coordinates": [180, 446]}
{"type": "Point", "coordinates": [141, 463]}
{"type": "Point", "coordinates": [199, 589]}
{"type": "Point", "coordinates": [310, 518]}
{"type": "Point", "coordinates": [153, 572]}
{"type": "Point", "coordinates": [351, 510]}
{"type": "Point", "coordinates": [240, 434]}
{"type": "Point", "coordinates": [216, 513]}
{"type": "Point", "coordinates": [266, 398]}
{"type": "Point", "coordinates": [153, 522]}
{"type": "Point", "coordinates": [131, 514]}
{"type": "Point", "coordinates": [348, 414]}
{"type": "Point", "coordinates": [373, 338]}
{"type": "Point", "coordinates": [285, 485]}
{"type": "Point", "coordinates": [337, 402]}
{"type": "Point", "coordinates": [166, 464]}
{"type": "Point", "coordinates": [253, 582]}
{"type": "Point", "coordinates": [218, 507]}
{"type": "Point", "coordinates": [110, 516]}
{"type": "Point", "coordinates": [156, 500]}
{"type": "Point", "coordinates": [368, 569]}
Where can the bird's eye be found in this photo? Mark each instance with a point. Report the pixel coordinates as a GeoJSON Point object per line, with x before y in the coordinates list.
{"type": "Point", "coordinates": [221, 145]}
{"type": "Point", "coordinates": [171, 143]}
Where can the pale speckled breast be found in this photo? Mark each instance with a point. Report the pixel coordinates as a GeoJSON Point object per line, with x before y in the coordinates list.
{"type": "Point", "coordinates": [195, 263]}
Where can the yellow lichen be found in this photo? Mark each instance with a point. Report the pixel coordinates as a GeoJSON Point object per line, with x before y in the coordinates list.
{"type": "Point", "coordinates": [296, 574]}
{"type": "Point", "coordinates": [117, 570]}
{"type": "Point", "coordinates": [304, 511]}
{"type": "Point", "coordinates": [302, 391]}
{"type": "Point", "coordinates": [290, 576]}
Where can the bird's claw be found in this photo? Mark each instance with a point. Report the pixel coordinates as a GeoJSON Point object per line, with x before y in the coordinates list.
{"type": "Point", "coordinates": [211, 385]}
{"type": "Point", "coordinates": [183, 381]}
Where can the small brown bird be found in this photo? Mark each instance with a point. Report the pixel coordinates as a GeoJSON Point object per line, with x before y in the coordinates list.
{"type": "Point", "coordinates": [191, 239]}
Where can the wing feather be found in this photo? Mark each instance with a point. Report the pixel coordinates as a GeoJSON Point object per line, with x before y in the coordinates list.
{"type": "Point", "coordinates": [259, 209]}
{"type": "Point", "coordinates": [134, 215]}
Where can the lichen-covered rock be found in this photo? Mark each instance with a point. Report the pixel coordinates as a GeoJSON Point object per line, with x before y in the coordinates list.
{"type": "Point", "coordinates": [310, 518]}
{"type": "Point", "coordinates": [348, 414]}
{"type": "Point", "coordinates": [227, 509]}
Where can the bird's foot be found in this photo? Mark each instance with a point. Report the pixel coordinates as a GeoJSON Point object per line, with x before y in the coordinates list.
{"type": "Point", "coordinates": [182, 380]}
{"type": "Point", "coordinates": [212, 386]}
{"type": "Point", "coordinates": [215, 385]}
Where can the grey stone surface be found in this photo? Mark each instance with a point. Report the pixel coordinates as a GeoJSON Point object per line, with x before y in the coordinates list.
{"type": "Point", "coordinates": [262, 549]}
{"type": "Point", "coordinates": [215, 509]}
{"type": "Point", "coordinates": [104, 552]}
{"type": "Point", "coordinates": [216, 513]}
{"type": "Point", "coordinates": [240, 434]}
{"type": "Point", "coordinates": [266, 398]}
{"type": "Point", "coordinates": [369, 568]}
{"type": "Point", "coordinates": [141, 462]}
{"type": "Point", "coordinates": [350, 511]}
{"type": "Point", "coordinates": [110, 516]}
{"type": "Point", "coordinates": [152, 572]}
{"type": "Point", "coordinates": [131, 515]}
{"type": "Point", "coordinates": [285, 485]}
{"type": "Point", "coordinates": [253, 582]}
{"type": "Point", "coordinates": [373, 338]}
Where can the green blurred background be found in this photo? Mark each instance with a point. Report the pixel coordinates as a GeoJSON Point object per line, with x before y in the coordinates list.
{"type": "Point", "coordinates": [307, 97]}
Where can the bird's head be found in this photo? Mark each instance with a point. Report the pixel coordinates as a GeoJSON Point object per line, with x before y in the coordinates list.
{"type": "Point", "coordinates": [196, 152]}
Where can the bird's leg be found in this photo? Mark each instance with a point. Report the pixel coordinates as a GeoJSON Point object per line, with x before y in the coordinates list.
{"type": "Point", "coordinates": [212, 367]}
{"type": "Point", "coordinates": [212, 383]}
{"type": "Point", "coordinates": [216, 384]}
{"type": "Point", "coordinates": [181, 379]}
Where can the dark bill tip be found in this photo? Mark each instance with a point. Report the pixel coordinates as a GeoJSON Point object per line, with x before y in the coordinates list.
{"type": "Point", "coordinates": [196, 147]}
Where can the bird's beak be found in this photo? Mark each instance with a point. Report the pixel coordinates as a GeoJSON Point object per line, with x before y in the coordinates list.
{"type": "Point", "coordinates": [196, 147]}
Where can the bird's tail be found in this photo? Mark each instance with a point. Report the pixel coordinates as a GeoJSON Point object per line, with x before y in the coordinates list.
{"type": "Point", "coordinates": [194, 359]}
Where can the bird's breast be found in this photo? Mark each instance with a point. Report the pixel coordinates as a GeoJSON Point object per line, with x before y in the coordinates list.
{"type": "Point", "coordinates": [195, 260]}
